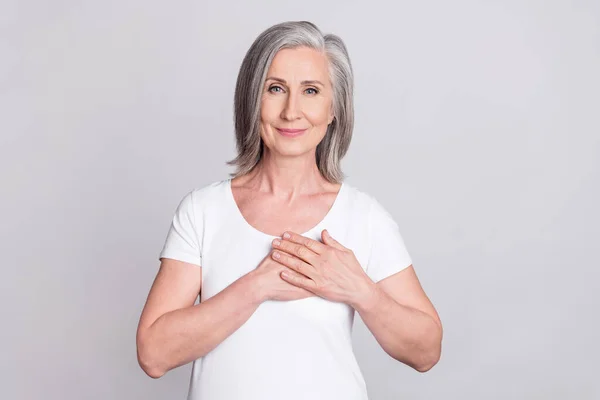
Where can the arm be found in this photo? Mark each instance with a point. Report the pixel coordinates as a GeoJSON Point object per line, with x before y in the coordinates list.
{"type": "Point", "coordinates": [173, 331]}
{"type": "Point", "coordinates": [404, 322]}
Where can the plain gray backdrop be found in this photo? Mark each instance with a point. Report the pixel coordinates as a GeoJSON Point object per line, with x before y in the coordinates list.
{"type": "Point", "coordinates": [477, 126]}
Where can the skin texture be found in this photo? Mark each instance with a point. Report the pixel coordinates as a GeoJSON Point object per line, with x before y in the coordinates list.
{"type": "Point", "coordinates": [174, 331]}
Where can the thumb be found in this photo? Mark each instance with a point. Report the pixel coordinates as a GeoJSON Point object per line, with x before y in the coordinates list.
{"type": "Point", "coordinates": [328, 240]}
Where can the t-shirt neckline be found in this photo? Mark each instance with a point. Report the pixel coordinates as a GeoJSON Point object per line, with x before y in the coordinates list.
{"type": "Point", "coordinates": [242, 220]}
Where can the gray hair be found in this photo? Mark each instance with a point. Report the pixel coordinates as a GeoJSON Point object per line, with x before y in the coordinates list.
{"type": "Point", "coordinates": [249, 87]}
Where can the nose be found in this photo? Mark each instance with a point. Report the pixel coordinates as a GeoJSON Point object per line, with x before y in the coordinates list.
{"type": "Point", "coordinates": [291, 110]}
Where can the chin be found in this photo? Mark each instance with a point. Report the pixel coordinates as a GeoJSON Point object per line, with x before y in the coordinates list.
{"type": "Point", "coordinates": [286, 147]}
{"type": "Point", "coordinates": [293, 149]}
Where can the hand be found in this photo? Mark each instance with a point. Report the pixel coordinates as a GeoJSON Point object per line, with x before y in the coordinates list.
{"type": "Point", "coordinates": [326, 269]}
{"type": "Point", "coordinates": [272, 286]}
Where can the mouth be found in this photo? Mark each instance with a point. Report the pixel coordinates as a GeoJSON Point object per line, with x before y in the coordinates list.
{"type": "Point", "coordinates": [290, 132]}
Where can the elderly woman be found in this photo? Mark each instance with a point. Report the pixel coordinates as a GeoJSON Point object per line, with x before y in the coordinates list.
{"type": "Point", "coordinates": [283, 253]}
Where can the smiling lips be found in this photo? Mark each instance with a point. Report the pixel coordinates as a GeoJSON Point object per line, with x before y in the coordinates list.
{"type": "Point", "coordinates": [290, 132]}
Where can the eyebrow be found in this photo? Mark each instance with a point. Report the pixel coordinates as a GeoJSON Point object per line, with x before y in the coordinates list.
{"type": "Point", "coordinates": [308, 82]}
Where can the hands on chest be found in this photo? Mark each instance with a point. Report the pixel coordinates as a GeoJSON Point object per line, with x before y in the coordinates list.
{"type": "Point", "coordinates": [300, 267]}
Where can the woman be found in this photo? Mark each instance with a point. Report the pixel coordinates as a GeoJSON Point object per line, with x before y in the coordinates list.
{"type": "Point", "coordinates": [276, 310]}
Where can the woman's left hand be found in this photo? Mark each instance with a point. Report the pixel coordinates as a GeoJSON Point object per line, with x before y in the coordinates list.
{"type": "Point", "coordinates": [327, 269]}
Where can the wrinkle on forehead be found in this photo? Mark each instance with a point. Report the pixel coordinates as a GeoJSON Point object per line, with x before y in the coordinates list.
{"type": "Point", "coordinates": [299, 64]}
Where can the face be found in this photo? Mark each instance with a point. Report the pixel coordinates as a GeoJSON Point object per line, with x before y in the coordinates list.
{"type": "Point", "coordinates": [297, 95]}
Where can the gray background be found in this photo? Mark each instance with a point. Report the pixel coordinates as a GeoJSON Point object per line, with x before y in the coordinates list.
{"type": "Point", "coordinates": [477, 126]}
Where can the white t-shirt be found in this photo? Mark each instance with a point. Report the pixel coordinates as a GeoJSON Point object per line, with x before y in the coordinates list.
{"type": "Point", "coordinates": [293, 350]}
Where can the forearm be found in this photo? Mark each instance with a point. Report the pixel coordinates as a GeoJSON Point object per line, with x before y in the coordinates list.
{"type": "Point", "coordinates": [181, 336]}
{"type": "Point", "coordinates": [405, 333]}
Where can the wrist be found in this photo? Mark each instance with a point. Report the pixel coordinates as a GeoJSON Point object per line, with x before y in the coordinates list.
{"type": "Point", "coordinates": [254, 288]}
{"type": "Point", "coordinates": [367, 298]}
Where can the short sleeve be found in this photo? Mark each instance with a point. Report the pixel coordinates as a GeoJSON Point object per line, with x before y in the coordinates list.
{"type": "Point", "coordinates": [388, 253]}
{"type": "Point", "coordinates": [182, 242]}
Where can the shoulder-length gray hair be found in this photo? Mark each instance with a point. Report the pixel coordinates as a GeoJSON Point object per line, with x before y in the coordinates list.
{"type": "Point", "coordinates": [249, 87]}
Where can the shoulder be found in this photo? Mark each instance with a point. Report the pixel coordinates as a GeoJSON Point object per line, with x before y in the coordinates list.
{"type": "Point", "coordinates": [358, 200]}
{"type": "Point", "coordinates": [198, 198]}
{"type": "Point", "coordinates": [206, 192]}
{"type": "Point", "coordinates": [362, 200]}
{"type": "Point", "coordinates": [367, 204]}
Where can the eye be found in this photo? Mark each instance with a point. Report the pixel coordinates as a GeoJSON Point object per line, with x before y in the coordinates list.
{"type": "Point", "coordinates": [315, 91]}
{"type": "Point", "coordinates": [274, 87]}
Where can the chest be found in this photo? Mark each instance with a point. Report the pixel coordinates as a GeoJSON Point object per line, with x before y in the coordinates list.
{"type": "Point", "coordinates": [232, 253]}
{"type": "Point", "coordinates": [231, 248]}
{"type": "Point", "coordinates": [301, 216]}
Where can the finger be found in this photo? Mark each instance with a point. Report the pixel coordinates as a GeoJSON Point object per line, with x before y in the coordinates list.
{"type": "Point", "coordinates": [295, 249]}
{"type": "Point", "coordinates": [314, 245]}
{"type": "Point", "coordinates": [295, 264]}
{"type": "Point", "coordinates": [329, 240]}
{"type": "Point", "coordinates": [298, 280]}
{"type": "Point", "coordinates": [292, 273]}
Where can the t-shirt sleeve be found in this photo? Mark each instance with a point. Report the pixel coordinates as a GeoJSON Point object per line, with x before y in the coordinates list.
{"type": "Point", "coordinates": [182, 242]}
{"type": "Point", "coordinates": [388, 253]}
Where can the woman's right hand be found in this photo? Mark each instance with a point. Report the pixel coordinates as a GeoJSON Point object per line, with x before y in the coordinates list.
{"type": "Point", "coordinates": [273, 287]}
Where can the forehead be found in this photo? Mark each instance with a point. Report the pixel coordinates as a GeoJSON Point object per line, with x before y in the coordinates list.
{"type": "Point", "coordinates": [300, 63]}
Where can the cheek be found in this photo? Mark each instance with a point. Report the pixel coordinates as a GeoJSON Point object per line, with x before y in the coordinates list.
{"type": "Point", "coordinates": [269, 109]}
{"type": "Point", "coordinates": [317, 114]}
